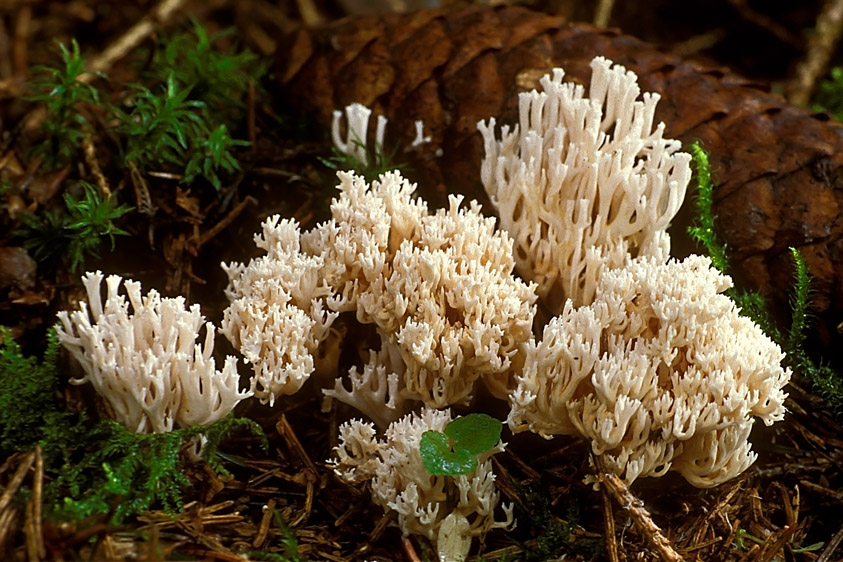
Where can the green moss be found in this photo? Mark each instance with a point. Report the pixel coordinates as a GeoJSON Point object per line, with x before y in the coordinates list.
{"type": "Point", "coordinates": [184, 122]}
{"type": "Point", "coordinates": [122, 473]}
{"type": "Point", "coordinates": [179, 121]}
{"type": "Point", "coordinates": [800, 303]}
{"type": "Point", "coordinates": [63, 95]}
{"type": "Point", "coordinates": [160, 123]}
{"type": "Point", "coordinates": [99, 469]}
{"type": "Point", "coordinates": [827, 382]}
{"type": "Point", "coordinates": [31, 412]}
{"type": "Point", "coordinates": [829, 98]}
{"type": "Point", "coordinates": [703, 229]}
{"type": "Point", "coordinates": [216, 77]}
{"type": "Point", "coordinates": [168, 128]}
{"type": "Point", "coordinates": [75, 233]}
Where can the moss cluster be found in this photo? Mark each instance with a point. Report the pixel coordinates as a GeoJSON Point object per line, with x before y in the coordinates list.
{"type": "Point", "coordinates": [178, 122]}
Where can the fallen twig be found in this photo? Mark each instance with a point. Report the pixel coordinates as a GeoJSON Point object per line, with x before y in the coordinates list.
{"type": "Point", "coordinates": [266, 521]}
{"type": "Point", "coordinates": [132, 37]}
{"type": "Point", "coordinates": [640, 516]}
{"type": "Point", "coordinates": [609, 526]}
{"type": "Point", "coordinates": [17, 479]}
{"type": "Point", "coordinates": [34, 531]}
{"type": "Point", "coordinates": [831, 546]}
{"type": "Point", "coordinates": [90, 152]}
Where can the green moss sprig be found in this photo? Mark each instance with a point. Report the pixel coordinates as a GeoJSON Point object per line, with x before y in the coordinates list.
{"type": "Point", "coordinates": [213, 154]}
{"type": "Point", "coordinates": [159, 123]}
{"type": "Point", "coordinates": [203, 100]}
{"type": "Point", "coordinates": [703, 229]}
{"type": "Point", "coordinates": [74, 233]}
{"type": "Point", "coordinates": [826, 381]}
{"type": "Point", "coordinates": [179, 122]}
{"type": "Point", "coordinates": [168, 128]}
{"type": "Point", "coordinates": [63, 94]}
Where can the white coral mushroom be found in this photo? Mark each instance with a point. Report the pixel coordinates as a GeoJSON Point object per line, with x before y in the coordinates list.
{"type": "Point", "coordinates": [377, 390]}
{"type": "Point", "coordinates": [401, 483]}
{"type": "Point", "coordinates": [357, 126]}
{"type": "Point", "coordinates": [278, 313]}
{"type": "Point", "coordinates": [583, 183]}
{"type": "Point", "coordinates": [451, 308]}
{"type": "Point", "coordinates": [368, 224]}
{"type": "Point", "coordinates": [438, 287]}
{"type": "Point", "coordinates": [660, 372]}
{"type": "Point", "coordinates": [141, 357]}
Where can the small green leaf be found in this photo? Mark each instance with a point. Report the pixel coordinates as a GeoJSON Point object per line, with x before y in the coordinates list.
{"type": "Point", "coordinates": [475, 433]}
{"type": "Point", "coordinates": [440, 459]}
{"type": "Point", "coordinates": [454, 452]}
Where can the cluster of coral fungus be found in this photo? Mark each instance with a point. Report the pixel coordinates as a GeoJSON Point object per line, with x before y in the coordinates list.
{"type": "Point", "coordinates": [640, 358]}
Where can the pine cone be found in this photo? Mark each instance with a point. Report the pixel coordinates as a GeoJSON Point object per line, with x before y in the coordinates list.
{"type": "Point", "coordinates": [777, 167]}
